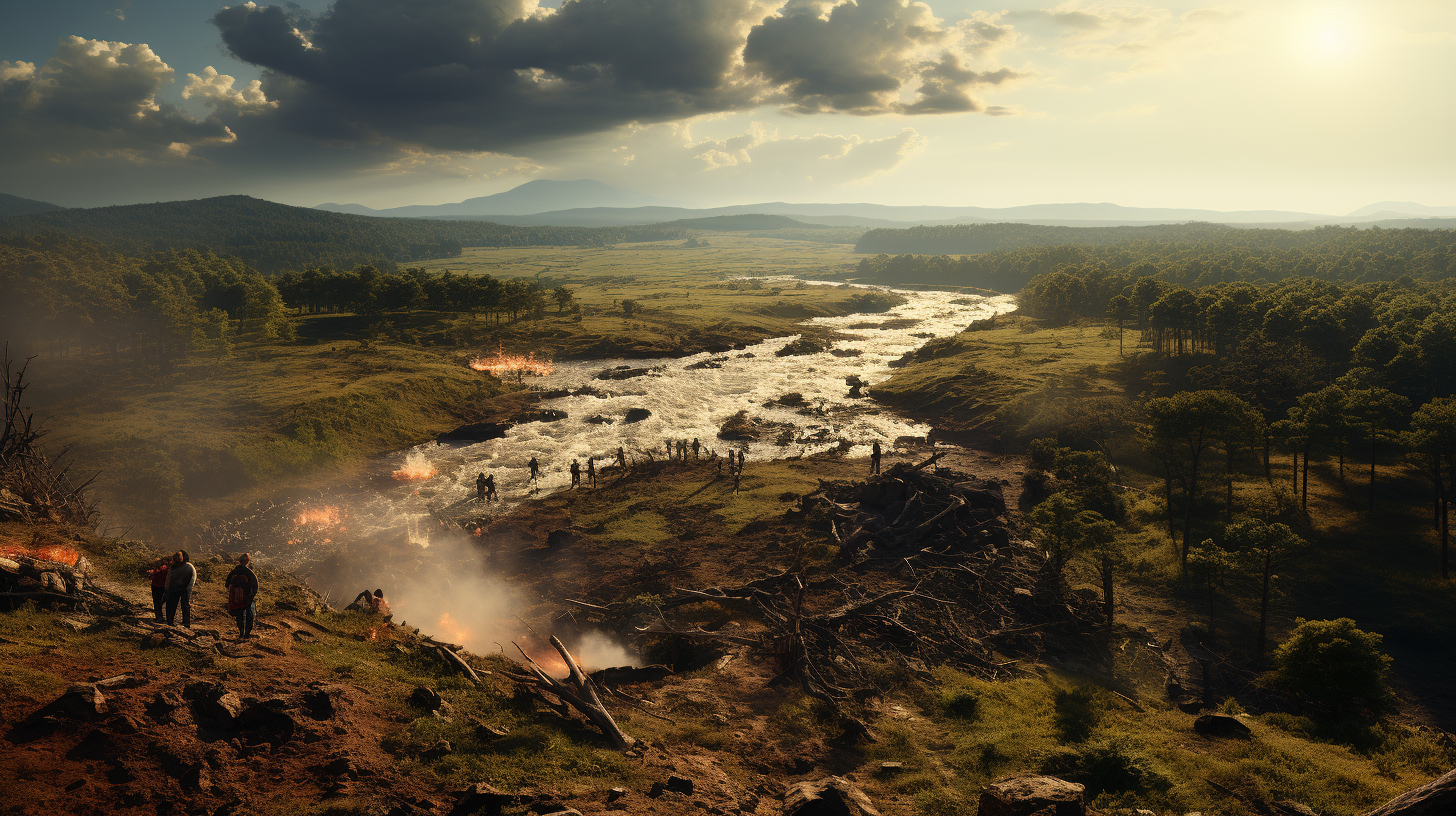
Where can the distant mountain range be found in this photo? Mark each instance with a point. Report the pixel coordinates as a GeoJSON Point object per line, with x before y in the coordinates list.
{"type": "Point", "coordinates": [589, 203]}
{"type": "Point", "coordinates": [15, 205]}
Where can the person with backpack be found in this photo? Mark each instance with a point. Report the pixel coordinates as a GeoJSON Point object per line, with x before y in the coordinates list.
{"type": "Point", "coordinates": [181, 578]}
{"type": "Point", "coordinates": [158, 574]}
{"type": "Point", "coordinates": [242, 587]}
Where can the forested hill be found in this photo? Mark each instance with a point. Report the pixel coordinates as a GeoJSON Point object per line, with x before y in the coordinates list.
{"type": "Point", "coordinates": [274, 237]}
{"type": "Point", "coordinates": [15, 205]}
{"type": "Point", "coordinates": [1189, 254]}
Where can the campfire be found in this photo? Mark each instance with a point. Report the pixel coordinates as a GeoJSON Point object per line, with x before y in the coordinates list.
{"type": "Point", "coordinates": [502, 365]}
{"type": "Point", "coordinates": [50, 552]}
{"type": "Point", "coordinates": [416, 469]}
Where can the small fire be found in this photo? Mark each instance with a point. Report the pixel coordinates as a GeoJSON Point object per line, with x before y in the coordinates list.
{"type": "Point", "coordinates": [450, 630]}
{"type": "Point", "coordinates": [374, 633]}
{"type": "Point", "coordinates": [50, 552]}
{"type": "Point", "coordinates": [503, 364]}
{"type": "Point", "coordinates": [327, 516]}
{"type": "Point", "coordinates": [416, 469]}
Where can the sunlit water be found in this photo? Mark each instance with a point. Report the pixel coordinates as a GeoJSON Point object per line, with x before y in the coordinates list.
{"type": "Point", "coordinates": [685, 403]}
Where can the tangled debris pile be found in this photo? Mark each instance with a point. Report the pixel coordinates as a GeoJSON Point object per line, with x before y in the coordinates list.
{"type": "Point", "coordinates": [927, 572]}
{"type": "Point", "coordinates": [32, 486]}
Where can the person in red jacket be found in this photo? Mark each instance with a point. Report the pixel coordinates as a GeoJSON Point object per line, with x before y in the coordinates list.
{"type": "Point", "coordinates": [158, 574]}
{"type": "Point", "coordinates": [242, 585]}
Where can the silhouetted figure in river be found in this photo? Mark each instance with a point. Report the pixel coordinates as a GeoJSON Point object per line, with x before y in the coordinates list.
{"type": "Point", "coordinates": [480, 488]}
{"type": "Point", "coordinates": [535, 469]}
{"type": "Point", "coordinates": [622, 460]}
{"type": "Point", "coordinates": [875, 457]}
{"type": "Point", "coordinates": [490, 495]}
{"type": "Point", "coordinates": [696, 447]}
{"type": "Point", "coordinates": [591, 471]}
{"type": "Point", "coordinates": [575, 473]}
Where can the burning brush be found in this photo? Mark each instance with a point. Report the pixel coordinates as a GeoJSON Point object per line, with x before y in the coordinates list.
{"type": "Point", "coordinates": [502, 365]}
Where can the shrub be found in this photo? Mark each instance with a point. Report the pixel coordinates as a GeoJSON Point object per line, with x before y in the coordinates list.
{"type": "Point", "coordinates": [1333, 667]}
{"type": "Point", "coordinates": [960, 704]}
{"type": "Point", "coordinates": [1076, 713]}
{"type": "Point", "coordinates": [1105, 768]}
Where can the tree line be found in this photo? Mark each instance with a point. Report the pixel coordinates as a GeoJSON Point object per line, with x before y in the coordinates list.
{"type": "Point", "coordinates": [367, 290]}
{"type": "Point", "coordinates": [274, 237]}
{"type": "Point", "coordinates": [1011, 255]}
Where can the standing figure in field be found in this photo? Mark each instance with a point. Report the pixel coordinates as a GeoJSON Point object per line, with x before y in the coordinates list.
{"type": "Point", "coordinates": [535, 468]}
{"type": "Point", "coordinates": [669, 450]}
{"type": "Point", "coordinates": [738, 473]}
{"type": "Point", "coordinates": [696, 447]}
{"type": "Point", "coordinates": [875, 457]}
{"type": "Point", "coordinates": [158, 574]}
{"type": "Point", "coordinates": [490, 495]}
{"type": "Point", "coordinates": [181, 578]}
{"type": "Point", "coordinates": [622, 459]}
{"type": "Point", "coordinates": [591, 471]}
{"type": "Point", "coordinates": [242, 586]}
{"type": "Point", "coordinates": [575, 473]}
{"type": "Point", "coordinates": [480, 488]}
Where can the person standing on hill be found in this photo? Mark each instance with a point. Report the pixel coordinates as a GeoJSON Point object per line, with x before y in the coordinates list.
{"type": "Point", "coordinates": [575, 473]}
{"type": "Point", "coordinates": [490, 495]}
{"type": "Point", "coordinates": [158, 574]}
{"type": "Point", "coordinates": [242, 586]}
{"type": "Point", "coordinates": [696, 447]}
{"type": "Point", "coordinates": [875, 457]}
{"type": "Point", "coordinates": [535, 468]}
{"type": "Point", "coordinates": [181, 578]}
{"type": "Point", "coordinates": [480, 488]}
{"type": "Point", "coordinates": [591, 471]}
{"type": "Point", "coordinates": [669, 450]}
{"type": "Point", "coordinates": [622, 459]}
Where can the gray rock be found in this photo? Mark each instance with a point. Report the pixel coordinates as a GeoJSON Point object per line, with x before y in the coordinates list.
{"type": "Point", "coordinates": [1027, 794]}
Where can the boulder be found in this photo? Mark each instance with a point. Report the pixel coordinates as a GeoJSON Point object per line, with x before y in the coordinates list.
{"type": "Point", "coordinates": [480, 798]}
{"type": "Point", "coordinates": [224, 710]}
{"type": "Point", "coordinates": [599, 420]}
{"type": "Point", "coordinates": [636, 415]}
{"type": "Point", "coordinates": [1221, 726]}
{"type": "Point", "coordinates": [711, 362]}
{"type": "Point", "coordinates": [540, 415]}
{"type": "Point", "coordinates": [475, 432]}
{"type": "Point", "coordinates": [1435, 798]}
{"type": "Point", "coordinates": [624, 373]}
{"type": "Point", "coordinates": [1032, 794]}
{"type": "Point", "coordinates": [830, 796]}
{"type": "Point", "coordinates": [318, 702]}
{"type": "Point", "coordinates": [80, 702]}
{"type": "Point", "coordinates": [426, 698]}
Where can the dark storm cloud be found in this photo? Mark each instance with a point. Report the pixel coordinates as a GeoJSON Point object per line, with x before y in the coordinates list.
{"type": "Point", "coordinates": [503, 74]}
{"type": "Point", "coordinates": [96, 99]}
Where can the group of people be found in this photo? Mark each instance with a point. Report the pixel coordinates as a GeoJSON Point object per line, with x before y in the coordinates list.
{"type": "Point", "coordinates": [679, 449]}
{"type": "Point", "coordinates": [175, 577]}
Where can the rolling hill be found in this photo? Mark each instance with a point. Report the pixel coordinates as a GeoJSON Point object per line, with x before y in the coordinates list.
{"type": "Point", "coordinates": [273, 237]}
{"type": "Point", "coordinates": [15, 205]}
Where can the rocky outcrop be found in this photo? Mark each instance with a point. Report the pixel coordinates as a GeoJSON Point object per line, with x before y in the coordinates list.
{"type": "Point", "coordinates": [475, 432]}
{"type": "Point", "coordinates": [830, 796]}
{"type": "Point", "coordinates": [804, 345]}
{"type": "Point", "coordinates": [1221, 726]}
{"type": "Point", "coordinates": [1032, 795]}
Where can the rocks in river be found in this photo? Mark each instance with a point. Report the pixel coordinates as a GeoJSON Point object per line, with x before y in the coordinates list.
{"type": "Point", "coordinates": [738, 428]}
{"type": "Point", "coordinates": [599, 420]}
{"type": "Point", "coordinates": [539, 415]}
{"type": "Point", "coordinates": [856, 386]}
{"type": "Point", "coordinates": [804, 345]}
{"type": "Point", "coordinates": [636, 415]}
{"type": "Point", "coordinates": [625, 373]}
{"type": "Point", "coordinates": [711, 362]}
{"type": "Point", "coordinates": [475, 432]}
{"type": "Point", "coordinates": [846, 352]}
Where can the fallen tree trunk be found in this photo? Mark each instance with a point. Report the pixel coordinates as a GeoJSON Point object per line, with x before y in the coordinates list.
{"type": "Point", "coordinates": [462, 665]}
{"type": "Point", "coordinates": [578, 691]}
{"type": "Point", "coordinates": [1435, 798]}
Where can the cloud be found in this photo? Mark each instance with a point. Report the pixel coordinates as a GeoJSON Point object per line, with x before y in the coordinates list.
{"type": "Point", "coordinates": [504, 75]}
{"type": "Point", "coordinates": [218, 90]}
{"type": "Point", "coordinates": [1143, 38]}
{"type": "Point", "coordinates": [96, 99]}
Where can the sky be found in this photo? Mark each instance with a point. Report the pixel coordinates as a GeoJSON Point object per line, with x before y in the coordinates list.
{"type": "Point", "coordinates": [1320, 106]}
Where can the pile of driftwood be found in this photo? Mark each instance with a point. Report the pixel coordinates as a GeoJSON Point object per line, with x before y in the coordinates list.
{"type": "Point", "coordinates": [927, 572]}
{"type": "Point", "coordinates": [33, 487]}
{"type": "Point", "coordinates": [30, 578]}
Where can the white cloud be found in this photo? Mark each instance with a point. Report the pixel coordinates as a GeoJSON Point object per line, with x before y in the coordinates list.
{"type": "Point", "coordinates": [218, 90]}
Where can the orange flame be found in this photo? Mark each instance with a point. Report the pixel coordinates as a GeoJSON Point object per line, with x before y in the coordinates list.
{"type": "Point", "coordinates": [505, 364]}
{"type": "Point", "coordinates": [416, 469]}
{"type": "Point", "coordinates": [374, 633]}
{"type": "Point", "coordinates": [447, 628]}
{"type": "Point", "coordinates": [50, 552]}
{"type": "Point", "coordinates": [327, 516]}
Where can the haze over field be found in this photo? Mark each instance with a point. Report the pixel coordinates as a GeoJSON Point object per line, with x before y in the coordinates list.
{"type": "Point", "coordinates": [1322, 107]}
